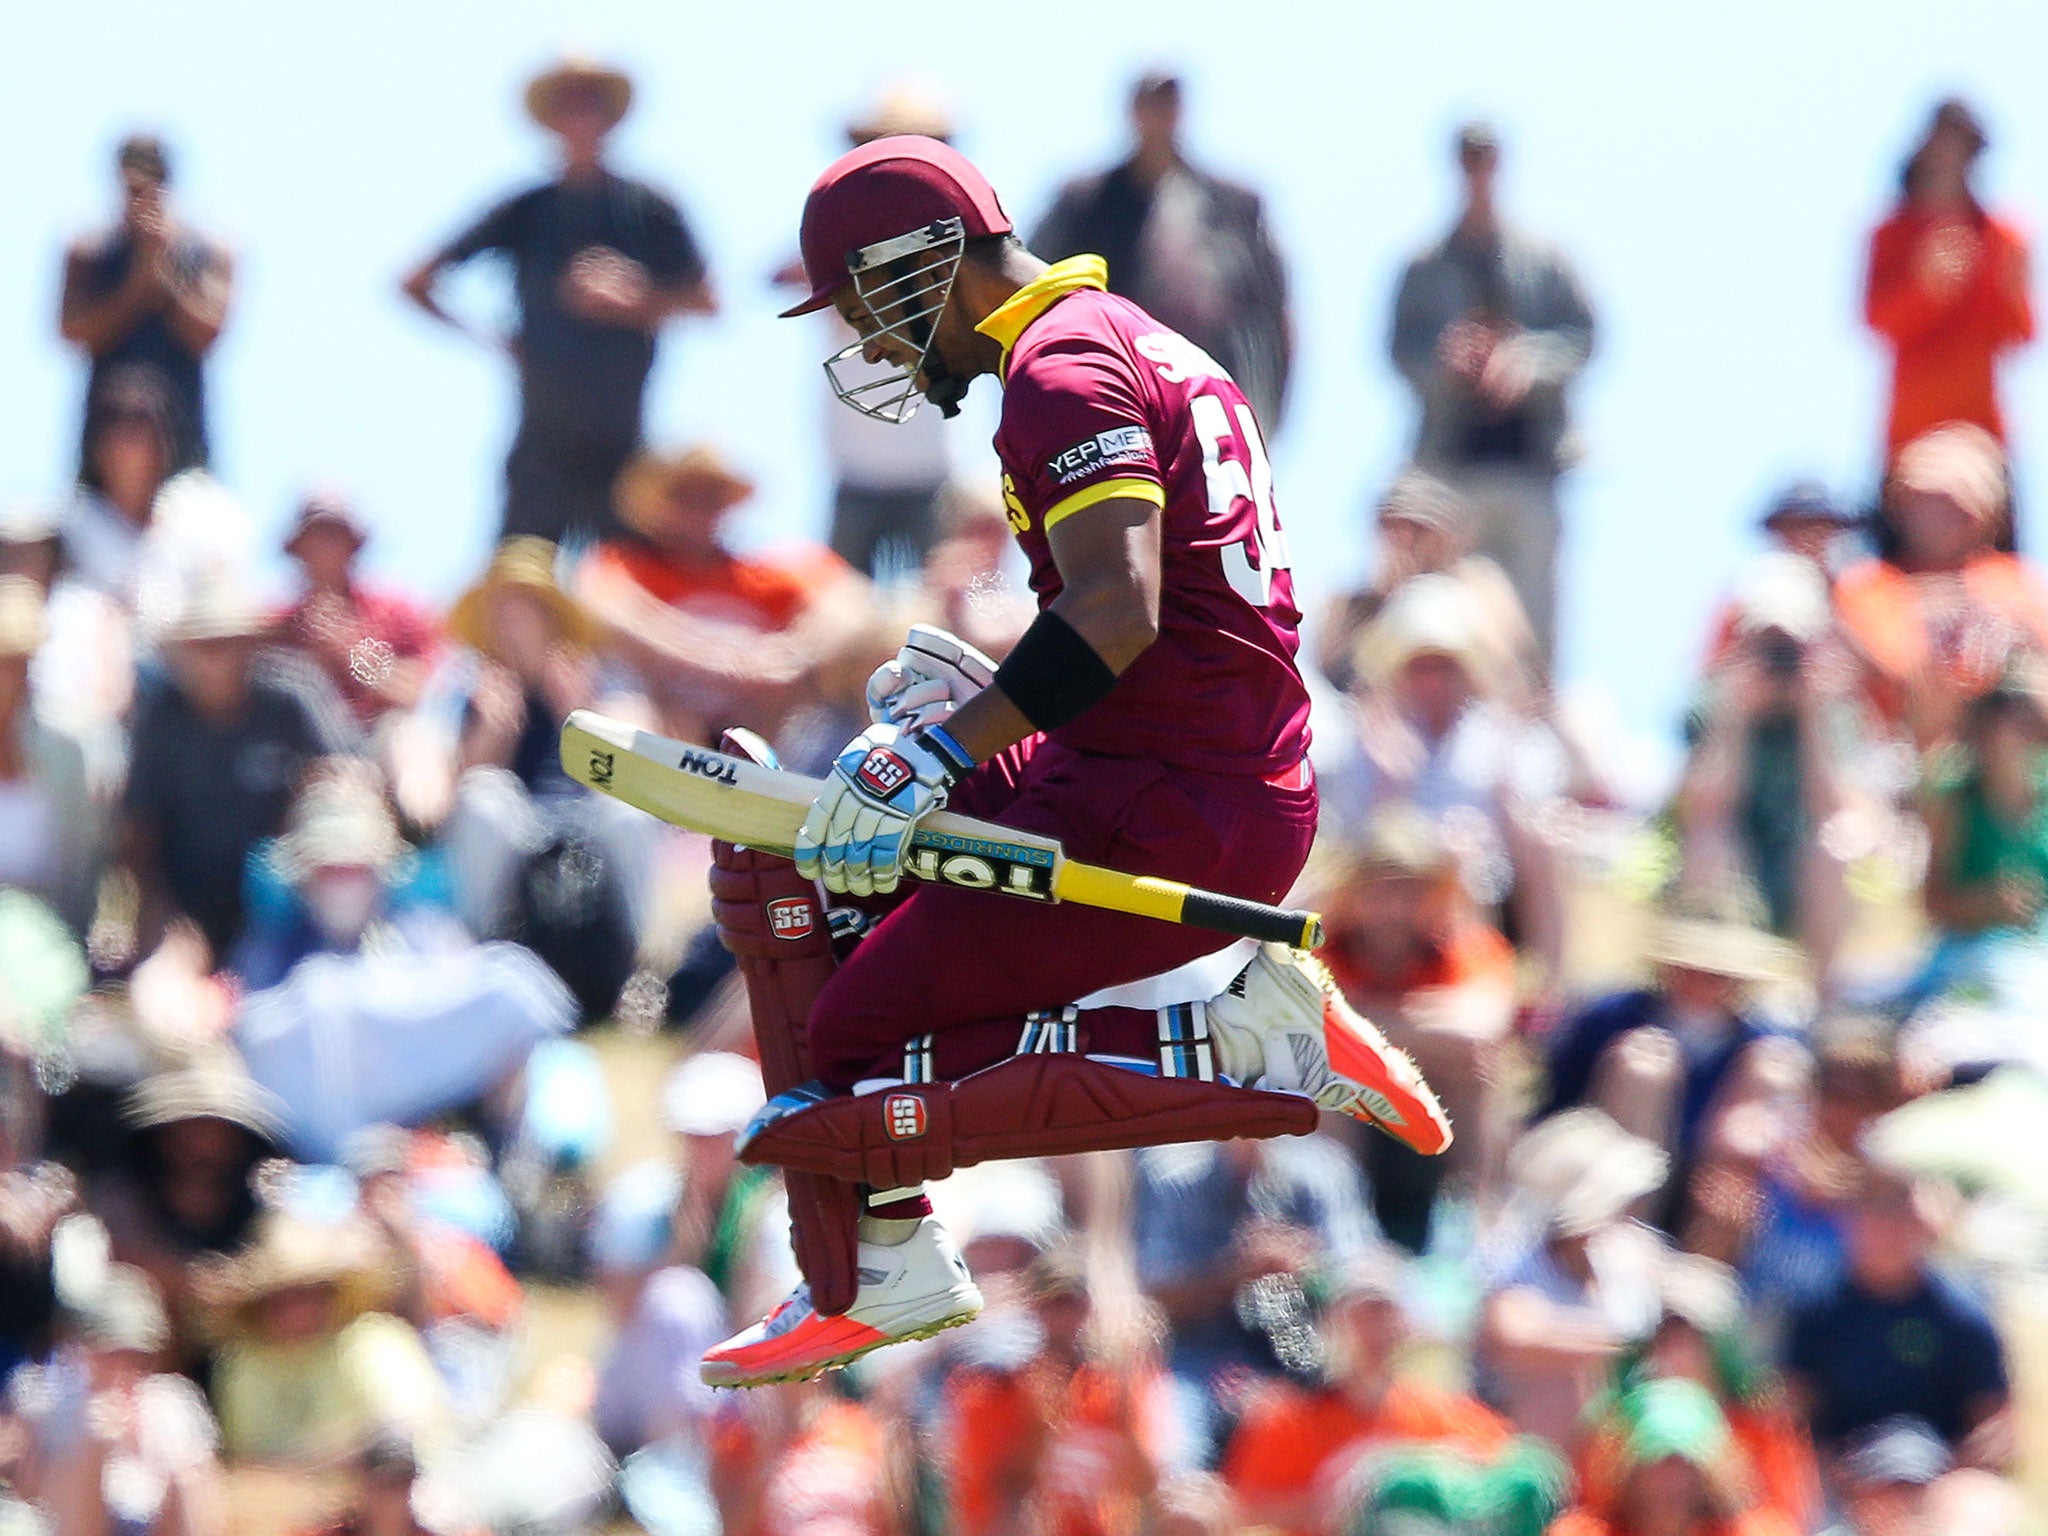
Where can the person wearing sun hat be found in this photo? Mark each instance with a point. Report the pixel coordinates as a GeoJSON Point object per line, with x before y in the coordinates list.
{"type": "Point", "coordinates": [717, 639]}
{"type": "Point", "coordinates": [600, 264]}
{"type": "Point", "coordinates": [1673, 1060]}
{"type": "Point", "coordinates": [1581, 1280]}
{"type": "Point", "coordinates": [308, 1365]}
{"type": "Point", "coordinates": [374, 645]}
{"type": "Point", "coordinates": [1428, 726]}
{"type": "Point", "coordinates": [533, 855]}
{"type": "Point", "coordinates": [217, 757]}
{"type": "Point", "coordinates": [1681, 1474]}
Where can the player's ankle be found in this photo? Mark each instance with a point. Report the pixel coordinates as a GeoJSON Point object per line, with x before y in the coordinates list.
{"type": "Point", "coordinates": [888, 1232]}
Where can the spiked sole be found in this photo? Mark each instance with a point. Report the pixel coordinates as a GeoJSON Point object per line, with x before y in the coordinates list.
{"type": "Point", "coordinates": [813, 1369]}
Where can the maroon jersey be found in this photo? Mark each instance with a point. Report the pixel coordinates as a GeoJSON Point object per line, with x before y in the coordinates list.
{"type": "Point", "coordinates": [1099, 401]}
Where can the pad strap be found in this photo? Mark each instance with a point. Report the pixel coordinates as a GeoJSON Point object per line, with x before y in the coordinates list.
{"type": "Point", "coordinates": [1053, 675]}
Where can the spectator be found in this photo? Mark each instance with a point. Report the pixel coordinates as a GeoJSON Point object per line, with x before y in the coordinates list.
{"type": "Point", "coordinates": [1775, 737]}
{"type": "Point", "coordinates": [1987, 816]}
{"type": "Point", "coordinates": [1065, 1431]}
{"type": "Point", "coordinates": [218, 754]}
{"type": "Point", "coordinates": [964, 586]}
{"type": "Point", "coordinates": [1425, 528]}
{"type": "Point", "coordinates": [366, 1005]}
{"type": "Point", "coordinates": [1293, 1450]}
{"type": "Point", "coordinates": [140, 530]}
{"type": "Point", "coordinates": [309, 1368]}
{"type": "Point", "coordinates": [1188, 247]}
{"type": "Point", "coordinates": [35, 1196]}
{"type": "Point", "coordinates": [1947, 287]}
{"type": "Point", "coordinates": [807, 1461]}
{"type": "Point", "coordinates": [120, 1448]}
{"type": "Point", "coordinates": [673, 1244]}
{"type": "Point", "coordinates": [1805, 521]}
{"type": "Point", "coordinates": [197, 1137]}
{"type": "Point", "coordinates": [534, 856]}
{"type": "Point", "coordinates": [1427, 728]}
{"type": "Point", "coordinates": [717, 639]}
{"type": "Point", "coordinates": [1896, 1336]}
{"type": "Point", "coordinates": [1885, 1477]}
{"type": "Point", "coordinates": [1224, 1233]}
{"type": "Point", "coordinates": [1674, 1062]}
{"type": "Point", "coordinates": [600, 264]}
{"type": "Point", "coordinates": [1776, 1211]}
{"type": "Point", "coordinates": [150, 292]}
{"type": "Point", "coordinates": [886, 476]}
{"type": "Point", "coordinates": [374, 646]}
{"type": "Point", "coordinates": [53, 829]}
{"type": "Point", "coordinates": [1581, 1285]}
{"type": "Point", "coordinates": [1702, 1337]}
{"type": "Point", "coordinates": [1408, 951]}
{"type": "Point", "coordinates": [1680, 1474]}
{"type": "Point", "coordinates": [1490, 328]}
{"type": "Point", "coordinates": [1941, 616]}
{"type": "Point", "coordinates": [83, 673]}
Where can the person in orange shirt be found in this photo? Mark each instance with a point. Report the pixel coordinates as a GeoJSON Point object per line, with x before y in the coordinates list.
{"type": "Point", "coordinates": [806, 1460]}
{"type": "Point", "coordinates": [1701, 1337]}
{"type": "Point", "coordinates": [1295, 1448]}
{"type": "Point", "coordinates": [1070, 1437]}
{"type": "Point", "coordinates": [1680, 1474]}
{"type": "Point", "coordinates": [1947, 287]}
{"type": "Point", "coordinates": [1408, 949]}
{"type": "Point", "coordinates": [718, 639]}
{"type": "Point", "coordinates": [1940, 618]}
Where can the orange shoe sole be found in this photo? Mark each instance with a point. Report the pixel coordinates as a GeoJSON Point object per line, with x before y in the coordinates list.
{"type": "Point", "coordinates": [1392, 1094]}
{"type": "Point", "coordinates": [834, 1343]}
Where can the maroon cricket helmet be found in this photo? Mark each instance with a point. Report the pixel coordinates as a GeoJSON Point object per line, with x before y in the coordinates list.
{"type": "Point", "coordinates": [886, 188]}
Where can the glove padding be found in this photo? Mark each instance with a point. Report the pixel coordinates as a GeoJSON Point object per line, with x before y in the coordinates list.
{"type": "Point", "coordinates": [859, 827]}
{"type": "Point", "coordinates": [933, 675]}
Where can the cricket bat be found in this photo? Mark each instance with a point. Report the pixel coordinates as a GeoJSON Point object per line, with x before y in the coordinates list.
{"type": "Point", "coordinates": [737, 801]}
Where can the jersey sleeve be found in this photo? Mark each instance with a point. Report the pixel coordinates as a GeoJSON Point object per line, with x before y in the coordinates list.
{"type": "Point", "coordinates": [672, 254]}
{"type": "Point", "coordinates": [1079, 432]}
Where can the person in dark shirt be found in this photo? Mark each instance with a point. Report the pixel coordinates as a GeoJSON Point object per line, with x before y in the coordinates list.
{"type": "Point", "coordinates": [599, 264]}
{"type": "Point", "coordinates": [1186, 246]}
{"type": "Point", "coordinates": [218, 754]}
{"type": "Point", "coordinates": [1673, 1061]}
{"type": "Point", "coordinates": [1897, 1337]}
{"type": "Point", "coordinates": [151, 292]}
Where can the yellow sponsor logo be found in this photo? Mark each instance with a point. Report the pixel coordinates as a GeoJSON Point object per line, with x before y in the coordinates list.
{"type": "Point", "coordinates": [1020, 520]}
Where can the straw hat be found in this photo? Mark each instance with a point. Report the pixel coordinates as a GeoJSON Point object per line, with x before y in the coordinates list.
{"type": "Point", "coordinates": [207, 1091]}
{"type": "Point", "coordinates": [1581, 1170]}
{"type": "Point", "coordinates": [527, 563]}
{"type": "Point", "coordinates": [1716, 936]}
{"type": "Point", "coordinates": [546, 91]}
{"type": "Point", "coordinates": [1960, 461]}
{"type": "Point", "coordinates": [900, 109]}
{"type": "Point", "coordinates": [214, 606]}
{"type": "Point", "coordinates": [1430, 615]}
{"type": "Point", "coordinates": [1401, 839]}
{"type": "Point", "coordinates": [713, 1093]}
{"type": "Point", "coordinates": [1419, 497]}
{"type": "Point", "coordinates": [21, 616]}
{"type": "Point", "coordinates": [288, 1252]}
{"type": "Point", "coordinates": [339, 819]}
{"type": "Point", "coordinates": [646, 486]}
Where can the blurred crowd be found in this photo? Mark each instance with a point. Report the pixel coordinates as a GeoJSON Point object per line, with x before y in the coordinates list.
{"type": "Point", "coordinates": [315, 965]}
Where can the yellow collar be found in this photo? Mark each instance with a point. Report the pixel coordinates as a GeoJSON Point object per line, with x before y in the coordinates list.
{"type": "Point", "coordinates": [1009, 319]}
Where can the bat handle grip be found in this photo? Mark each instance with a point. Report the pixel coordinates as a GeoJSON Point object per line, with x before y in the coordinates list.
{"type": "Point", "coordinates": [1252, 919]}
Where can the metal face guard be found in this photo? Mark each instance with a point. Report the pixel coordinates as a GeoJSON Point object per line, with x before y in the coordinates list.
{"type": "Point", "coordinates": [904, 283]}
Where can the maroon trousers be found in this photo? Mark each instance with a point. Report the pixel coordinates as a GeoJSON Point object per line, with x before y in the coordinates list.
{"type": "Point", "coordinates": [965, 967]}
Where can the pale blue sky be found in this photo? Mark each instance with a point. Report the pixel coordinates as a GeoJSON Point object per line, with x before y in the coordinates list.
{"type": "Point", "coordinates": [1713, 170]}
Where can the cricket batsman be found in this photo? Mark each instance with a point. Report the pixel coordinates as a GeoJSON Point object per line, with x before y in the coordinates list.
{"type": "Point", "coordinates": [1152, 718]}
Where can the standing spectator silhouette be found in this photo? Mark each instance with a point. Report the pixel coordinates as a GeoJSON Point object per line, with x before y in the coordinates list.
{"type": "Point", "coordinates": [151, 291]}
{"type": "Point", "coordinates": [1947, 288]}
{"type": "Point", "coordinates": [599, 264]}
{"type": "Point", "coordinates": [1490, 328]}
{"type": "Point", "coordinates": [1187, 246]}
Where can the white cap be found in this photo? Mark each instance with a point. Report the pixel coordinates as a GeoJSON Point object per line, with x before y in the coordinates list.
{"type": "Point", "coordinates": [1782, 591]}
{"type": "Point", "coordinates": [713, 1093]}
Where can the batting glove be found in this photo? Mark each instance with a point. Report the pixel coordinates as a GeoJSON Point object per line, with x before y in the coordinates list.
{"type": "Point", "coordinates": [884, 783]}
{"type": "Point", "coordinates": [933, 675]}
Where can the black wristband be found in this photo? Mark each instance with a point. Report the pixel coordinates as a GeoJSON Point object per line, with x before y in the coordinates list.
{"type": "Point", "coordinates": [1052, 674]}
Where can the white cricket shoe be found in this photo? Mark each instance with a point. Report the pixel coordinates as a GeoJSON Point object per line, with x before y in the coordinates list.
{"type": "Point", "coordinates": [1283, 1025]}
{"type": "Point", "coordinates": [908, 1290]}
